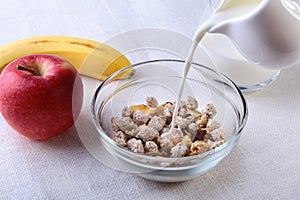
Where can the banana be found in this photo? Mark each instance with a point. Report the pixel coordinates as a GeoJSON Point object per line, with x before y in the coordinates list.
{"type": "Point", "coordinates": [89, 57]}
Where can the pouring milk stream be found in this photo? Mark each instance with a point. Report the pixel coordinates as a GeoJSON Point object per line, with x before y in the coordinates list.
{"type": "Point", "coordinates": [267, 35]}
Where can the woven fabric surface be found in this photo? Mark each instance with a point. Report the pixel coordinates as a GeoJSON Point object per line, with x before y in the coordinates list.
{"type": "Point", "coordinates": [264, 165]}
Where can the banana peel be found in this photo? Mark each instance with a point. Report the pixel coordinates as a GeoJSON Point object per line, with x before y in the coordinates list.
{"type": "Point", "coordinates": [90, 58]}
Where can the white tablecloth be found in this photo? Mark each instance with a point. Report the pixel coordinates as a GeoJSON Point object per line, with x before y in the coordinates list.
{"type": "Point", "coordinates": [264, 165]}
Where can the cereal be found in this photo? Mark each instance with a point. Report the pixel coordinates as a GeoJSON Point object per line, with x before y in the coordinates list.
{"type": "Point", "coordinates": [166, 144]}
{"type": "Point", "coordinates": [152, 102]}
{"type": "Point", "coordinates": [114, 125]}
{"type": "Point", "coordinates": [191, 103]}
{"type": "Point", "coordinates": [151, 147]}
{"type": "Point", "coordinates": [191, 119]}
{"type": "Point", "coordinates": [217, 144]}
{"type": "Point", "coordinates": [182, 122]}
{"type": "Point", "coordinates": [199, 147]}
{"type": "Point", "coordinates": [147, 128]}
{"type": "Point", "coordinates": [169, 139]}
{"type": "Point", "coordinates": [212, 125]}
{"type": "Point", "coordinates": [157, 123]}
{"type": "Point", "coordinates": [199, 135]}
{"type": "Point", "coordinates": [127, 111]}
{"type": "Point", "coordinates": [141, 107]}
{"type": "Point", "coordinates": [140, 118]}
{"type": "Point", "coordinates": [211, 110]}
{"type": "Point", "coordinates": [135, 145]}
{"type": "Point", "coordinates": [120, 138]}
{"type": "Point", "coordinates": [193, 128]}
{"type": "Point", "coordinates": [169, 109]}
{"type": "Point", "coordinates": [147, 133]}
{"type": "Point", "coordinates": [182, 112]}
{"type": "Point", "coordinates": [183, 105]}
{"type": "Point", "coordinates": [195, 113]}
{"type": "Point", "coordinates": [126, 125]}
{"type": "Point", "coordinates": [215, 135]}
{"type": "Point", "coordinates": [174, 132]}
{"type": "Point", "coordinates": [187, 140]}
{"type": "Point", "coordinates": [179, 150]}
{"type": "Point", "coordinates": [166, 129]}
{"type": "Point", "coordinates": [202, 122]}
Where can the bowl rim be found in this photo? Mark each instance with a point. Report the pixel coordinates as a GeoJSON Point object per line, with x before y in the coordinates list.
{"type": "Point", "coordinates": [232, 139]}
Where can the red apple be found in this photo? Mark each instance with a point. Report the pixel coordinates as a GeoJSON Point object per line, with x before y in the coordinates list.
{"type": "Point", "coordinates": [40, 95]}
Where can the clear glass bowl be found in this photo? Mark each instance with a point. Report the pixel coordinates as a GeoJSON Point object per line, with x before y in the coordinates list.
{"type": "Point", "coordinates": [160, 78]}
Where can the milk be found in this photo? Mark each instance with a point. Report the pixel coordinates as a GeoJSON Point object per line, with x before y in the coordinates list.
{"type": "Point", "coordinates": [268, 35]}
{"type": "Point", "coordinates": [230, 9]}
{"type": "Point", "coordinates": [226, 58]}
{"type": "Point", "coordinates": [185, 72]}
{"type": "Point", "coordinates": [229, 61]}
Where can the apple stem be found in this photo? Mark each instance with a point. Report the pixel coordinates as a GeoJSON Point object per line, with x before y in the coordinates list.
{"type": "Point", "coordinates": [32, 70]}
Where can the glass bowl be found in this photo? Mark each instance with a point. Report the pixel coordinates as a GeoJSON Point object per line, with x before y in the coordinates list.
{"type": "Point", "coordinates": [161, 78]}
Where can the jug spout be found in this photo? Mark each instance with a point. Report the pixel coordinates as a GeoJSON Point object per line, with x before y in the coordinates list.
{"type": "Point", "coordinates": [268, 36]}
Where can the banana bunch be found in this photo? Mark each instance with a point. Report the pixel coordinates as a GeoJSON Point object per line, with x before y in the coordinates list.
{"type": "Point", "coordinates": [90, 58]}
